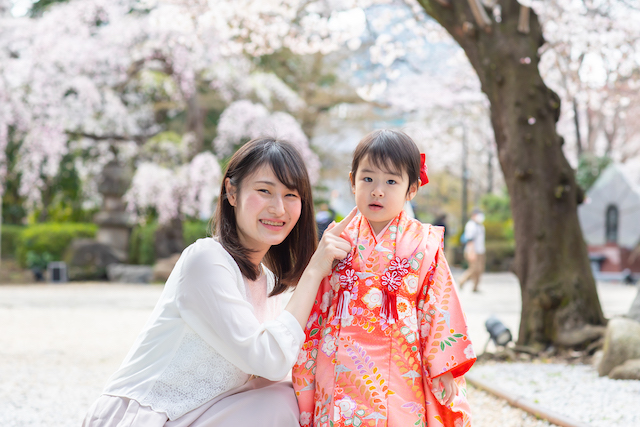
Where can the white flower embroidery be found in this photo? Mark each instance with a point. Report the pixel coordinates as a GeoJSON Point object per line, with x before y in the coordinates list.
{"type": "Point", "coordinates": [347, 319]}
{"type": "Point", "coordinates": [425, 329]}
{"type": "Point", "coordinates": [325, 301]}
{"type": "Point", "coordinates": [412, 320]}
{"type": "Point", "coordinates": [469, 353]}
{"type": "Point", "coordinates": [344, 407]}
{"type": "Point", "coordinates": [411, 283]}
{"type": "Point", "coordinates": [404, 307]}
{"type": "Point", "coordinates": [373, 298]}
{"type": "Point", "coordinates": [305, 418]}
{"type": "Point", "coordinates": [329, 345]}
{"type": "Point", "coordinates": [303, 355]}
{"type": "Point", "coordinates": [312, 319]}
{"type": "Point", "coordinates": [336, 414]}
{"type": "Point", "coordinates": [431, 296]}
{"type": "Point", "coordinates": [334, 282]}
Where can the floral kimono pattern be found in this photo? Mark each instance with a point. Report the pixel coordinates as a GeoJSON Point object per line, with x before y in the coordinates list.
{"type": "Point", "coordinates": [384, 324]}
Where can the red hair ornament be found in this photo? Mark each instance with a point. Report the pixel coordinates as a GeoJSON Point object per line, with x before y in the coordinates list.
{"type": "Point", "coordinates": [424, 179]}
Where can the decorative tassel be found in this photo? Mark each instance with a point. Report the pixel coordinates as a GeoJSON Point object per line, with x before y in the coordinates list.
{"type": "Point", "coordinates": [344, 298]}
{"type": "Point", "coordinates": [389, 309]}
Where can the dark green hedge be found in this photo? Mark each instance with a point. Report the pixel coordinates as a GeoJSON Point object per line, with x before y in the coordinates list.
{"type": "Point", "coordinates": [52, 238]}
{"type": "Point", "coordinates": [10, 238]}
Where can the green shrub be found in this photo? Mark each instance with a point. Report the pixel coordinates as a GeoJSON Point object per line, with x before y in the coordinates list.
{"type": "Point", "coordinates": [38, 260]}
{"type": "Point", "coordinates": [194, 230]}
{"type": "Point", "coordinates": [141, 243]}
{"type": "Point", "coordinates": [498, 230]}
{"type": "Point", "coordinates": [53, 238]}
{"type": "Point", "coordinates": [10, 238]}
{"type": "Point", "coordinates": [141, 247]}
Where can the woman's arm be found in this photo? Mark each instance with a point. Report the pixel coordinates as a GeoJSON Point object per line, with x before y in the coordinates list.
{"type": "Point", "coordinates": [331, 247]}
{"type": "Point", "coordinates": [210, 302]}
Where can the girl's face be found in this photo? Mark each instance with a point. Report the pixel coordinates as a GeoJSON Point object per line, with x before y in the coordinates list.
{"type": "Point", "coordinates": [380, 195]}
{"type": "Point", "coordinates": [266, 210]}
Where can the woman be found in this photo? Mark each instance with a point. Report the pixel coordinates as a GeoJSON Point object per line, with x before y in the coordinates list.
{"type": "Point", "coordinates": [218, 324]}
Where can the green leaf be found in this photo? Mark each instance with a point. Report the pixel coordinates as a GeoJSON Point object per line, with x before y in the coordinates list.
{"type": "Point", "coordinates": [314, 331]}
{"type": "Point", "coordinates": [362, 248]}
{"type": "Point", "coordinates": [448, 343]}
{"type": "Point", "coordinates": [442, 345]}
{"type": "Point", "coordinates": [452, 339]}
{"type": "Point", "coordinates": [320, 320]}
{"type": "Point", "coordinates": [458, 335]}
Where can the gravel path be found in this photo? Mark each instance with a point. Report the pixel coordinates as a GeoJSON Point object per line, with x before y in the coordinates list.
{"type": "Point", "coordinates": [60, 343]}
{"type": "Point", "coordinates": [575, 391]}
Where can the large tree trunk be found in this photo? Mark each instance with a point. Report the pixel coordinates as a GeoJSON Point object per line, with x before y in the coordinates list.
{"type": "Point", "coordinates": [558, 290]}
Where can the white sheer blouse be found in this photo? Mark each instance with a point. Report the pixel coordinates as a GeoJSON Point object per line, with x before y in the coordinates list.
{"type": "Point", "coordinates": [203, 338]}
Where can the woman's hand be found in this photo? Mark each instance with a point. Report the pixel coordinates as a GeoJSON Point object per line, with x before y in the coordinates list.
{"type": "Point", "coordinates": [332, 247]}
{"type": "Point", "coordinates": [445, 383]}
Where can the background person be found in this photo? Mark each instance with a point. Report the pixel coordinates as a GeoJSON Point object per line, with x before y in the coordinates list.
{"type": "Point", "coordinates": [474, 249]}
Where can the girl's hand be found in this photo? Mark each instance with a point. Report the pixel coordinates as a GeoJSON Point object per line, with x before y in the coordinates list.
{"type": "Point", "coordinates": [331, 247]}
{"type": "Point", "coordinates": [446, 383]}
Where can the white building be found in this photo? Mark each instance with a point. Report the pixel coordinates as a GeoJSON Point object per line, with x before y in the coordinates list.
{"type": "Point", "coordinates": [610, 218]}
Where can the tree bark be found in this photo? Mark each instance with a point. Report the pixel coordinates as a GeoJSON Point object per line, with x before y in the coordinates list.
{"type": "Point", "coordinates": [558, 290]}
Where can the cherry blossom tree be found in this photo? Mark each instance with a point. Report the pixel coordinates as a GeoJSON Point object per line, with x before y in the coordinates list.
{"type": "Point", "coordinates": [98, 74]}
{"type": "Point", "coordinates": [590, 60]}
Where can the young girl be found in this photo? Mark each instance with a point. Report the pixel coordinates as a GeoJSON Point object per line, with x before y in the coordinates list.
{"type": "Point", "coordinates": [386, 343]}
{"type": "Point", "coordinates": [215, 326]}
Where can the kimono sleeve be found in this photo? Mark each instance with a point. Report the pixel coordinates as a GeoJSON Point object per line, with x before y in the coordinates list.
{"type": "Point", "coordinates": [304, 371]}
{"type": "Point", "coordinates": [444, 338]}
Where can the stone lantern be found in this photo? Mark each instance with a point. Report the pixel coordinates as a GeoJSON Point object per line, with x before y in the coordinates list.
{"type": "Point", "coordinates": [113, 222]}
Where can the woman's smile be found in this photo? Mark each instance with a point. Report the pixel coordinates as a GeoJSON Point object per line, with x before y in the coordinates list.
{"type": "Point", "coordinates": [272, 224]}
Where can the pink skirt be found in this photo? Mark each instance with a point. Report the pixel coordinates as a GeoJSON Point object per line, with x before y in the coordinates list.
{"type": "Point", "coordinates": [259, 402]}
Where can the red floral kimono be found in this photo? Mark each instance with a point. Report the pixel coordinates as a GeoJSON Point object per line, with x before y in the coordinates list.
{"type": "Point", "coordinates": [384, 324]}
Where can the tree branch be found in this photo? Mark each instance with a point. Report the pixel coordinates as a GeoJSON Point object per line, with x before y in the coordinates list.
{"type": "Point", "coordinates": [523, 20]}
{"type": "Point", "coordinates": [138, 139]}
{"type": "Point", "coordinates": [480, 15]}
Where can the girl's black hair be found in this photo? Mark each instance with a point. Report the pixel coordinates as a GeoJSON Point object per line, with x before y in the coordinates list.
{"type": "Point", "coordinates": [288, 259]}
{"type": "Point", "coordinates": [390, 150]}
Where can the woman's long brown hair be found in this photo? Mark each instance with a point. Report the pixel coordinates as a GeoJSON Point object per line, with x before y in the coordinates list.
{"type": "Point", "coordinates": [288, 259]}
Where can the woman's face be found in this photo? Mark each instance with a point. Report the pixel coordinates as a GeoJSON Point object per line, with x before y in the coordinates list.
{"type": "Point", "coordinates": [266, 210]}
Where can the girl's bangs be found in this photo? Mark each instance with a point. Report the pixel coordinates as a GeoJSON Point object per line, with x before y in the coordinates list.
{"type": "Point", "coordinates": [388, 160]}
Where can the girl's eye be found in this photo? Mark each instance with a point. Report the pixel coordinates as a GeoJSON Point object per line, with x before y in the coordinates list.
{"type": "Point", "coordinates": [367, 179]}
{"type": "Point", "coordinates": [391, 181]}
{"type": "Point", "coordinates": [264, 190]}
{"type": "Point", "coordinates": [292, 195]}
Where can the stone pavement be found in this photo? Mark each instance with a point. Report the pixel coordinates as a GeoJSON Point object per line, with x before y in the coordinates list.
{"type": "Point", "coordinates": [60, 343]}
